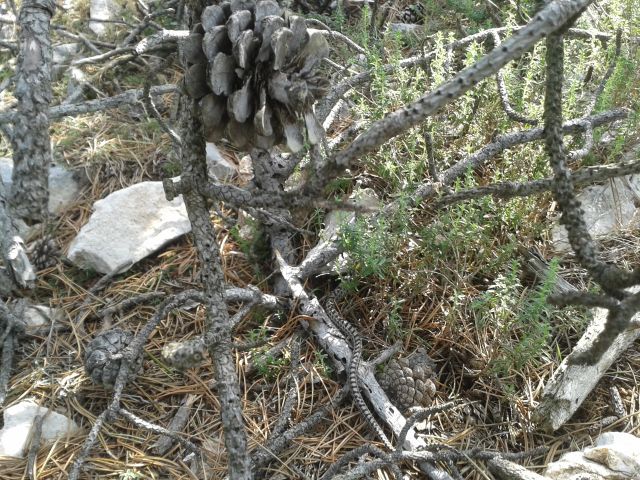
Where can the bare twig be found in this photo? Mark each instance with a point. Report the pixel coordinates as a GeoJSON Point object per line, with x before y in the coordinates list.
{"type": "Point", "coordinates": [340, 89]}
{"type": "Point", "coordinates": [386, 459]}
{"type": "Point", "coordinates": [581, 177]}
{"type": "Point", "coordinates": [144, 24]}
{"type": "Point", "coordinates": [272, 449]}
{"type": "Point", "coordinates": [292, 394]}
{"type": "Point", "coordinates": [504, 94]}
{"type": "Point", "coordinates": [585, 299]}
{"type": "Point", "coordinates": [150, 106]}
{"type": "Point", "coordinates": [326, 30]}
{"type": "Point", "coordinates": [178, 422]}
{"type": "Point", "coordinates": [36, 437]}
{"type": "Point", "coordinates": [151, 427]}
{"type": "Point", "coordinates": [129, 97]}
{"type": "Point", "coordinates": [608, 73]}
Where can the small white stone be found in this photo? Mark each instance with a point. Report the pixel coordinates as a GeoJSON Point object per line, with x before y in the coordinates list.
{"type": "Point", "coordinates": [619, 451]}
{"type": "Point", "coordinates": [103, 10]}
{"type": "Point", "coordinates": [127, 226]}
{"type": "Point", "coordinates": [39, 316]}
{"type": "Point", "coordinates": [615, 456]}
{"type": "Point", "coordinates": [18, 421]}
{"type": "Point", "coordinates": [219, 167]}
{"type": "Point", "coordinates": [63, 187]}
{"type": "Point", "coordinates": [64, 52]}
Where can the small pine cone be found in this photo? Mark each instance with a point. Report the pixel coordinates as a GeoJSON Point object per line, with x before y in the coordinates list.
{"type": "Point", "coordinates": [413, 14]}
{"type": "Point", "coordinates": [98, 362]}
{"type": "Point", "coordinates": [184, 355]}
{"type": "Point", "coordinates": [44, 253]}
{"type": "Point", "coordinates": [256, 73]}
{"type": "Point", "coordinates": [409, 380]}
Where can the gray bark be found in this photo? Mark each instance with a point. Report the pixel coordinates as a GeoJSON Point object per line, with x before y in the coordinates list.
{"type": "Point", "coordinates": [30, 138]}
{"type": "Point", "coordinates": [218, 325]}
{"type": "Point", "coordinates": [506, 470]}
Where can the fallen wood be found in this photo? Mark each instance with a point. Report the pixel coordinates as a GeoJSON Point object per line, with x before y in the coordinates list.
{"type": "Point", "coordinates": [506, 470]}
{"type": "Point", "coordinates": [571, 384]}
{"type": "Point", "coordinates": [177, 424]}
{"type": "Point", "coordinates": [318, 322]}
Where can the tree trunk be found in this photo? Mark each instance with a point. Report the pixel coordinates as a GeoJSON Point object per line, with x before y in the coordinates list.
{"type": "Point", "coordinates": [30, 137]}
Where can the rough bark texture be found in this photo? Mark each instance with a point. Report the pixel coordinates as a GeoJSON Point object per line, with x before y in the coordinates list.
{"type": "Point", "coordinates": [30, 139]}
{"type": "Point", "coordinates": [506, 470]}
{"type": "Point", "coordinates": [218, 333]}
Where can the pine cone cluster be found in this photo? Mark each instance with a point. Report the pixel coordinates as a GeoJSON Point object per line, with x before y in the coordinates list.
{"type": "Point", "coordinates": [255, 70]}
{"type": "Point", "coordinates": [413, 14]}
{"type": "Point", "coordinates": [98, 361]}
{"type": "Point", "coordinates": [409, 380]}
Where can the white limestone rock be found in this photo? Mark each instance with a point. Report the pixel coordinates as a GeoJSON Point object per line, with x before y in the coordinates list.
{"type": "Point", "coordinates": [65, 52]}
{"type": "Point", "coordinates": [37, 317]}
{"type": "Point", "coordinates": [62, 56]}
{"type": "Point", "coordinates": [103, 10]}
{"type": "Point", "coordinates": [127, 226]}
{"type": "Point", "coordinates": [608, 208]}
{"type": "Point", "coordinates": [406, 28]}
{"type": "Point", "coordinates": [63, 186]}
{"type": "Point", "coordinates": [615, 456]}
{"type": "Point", "coordinates": [219, 167]}
{"type": "Point", "coordinates": [619, 451]}
{"type": "Point", "coordinates": [18, 420]}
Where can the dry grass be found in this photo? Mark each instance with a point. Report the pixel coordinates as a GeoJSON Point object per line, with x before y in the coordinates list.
{"type": "Point", "coordinates": [496, 418]}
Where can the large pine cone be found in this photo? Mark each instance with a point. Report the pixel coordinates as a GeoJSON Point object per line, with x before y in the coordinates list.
{"type": "Point", "coordinates": [98, 362]}
{"type": "Point", "coordinates": [413, 13]}
{"type": "Point", "coordinates": [44, 253]}
{"type": "Point", "coordinates": [256, 71]}
{"type": "Point", "coordinates": [409, 380]}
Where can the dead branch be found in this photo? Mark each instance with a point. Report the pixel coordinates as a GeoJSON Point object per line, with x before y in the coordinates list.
{"type": "Point", "coordinates": [582, 177]}
{"type": "Point", "coordinates": [149, 44]}
{"type": "Point", "coordinates": [178, 422]}
{"type": "Point", "coordinates": [218, 335]}
{"type": "Point", "coordinates": [607, 75]}
{"type": "Point", "coordinates": [151, 427]}
{"type": "Point", "coordinates": [553, 16]}
{"type": "Point", "coordinates": [129, 97]}
{"type": "Point", "coordinates": [573, 381]}
{"type": "Point", "coordinates": [340, 89]}
{"type": "Point", "coordinates": [504, 94]}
